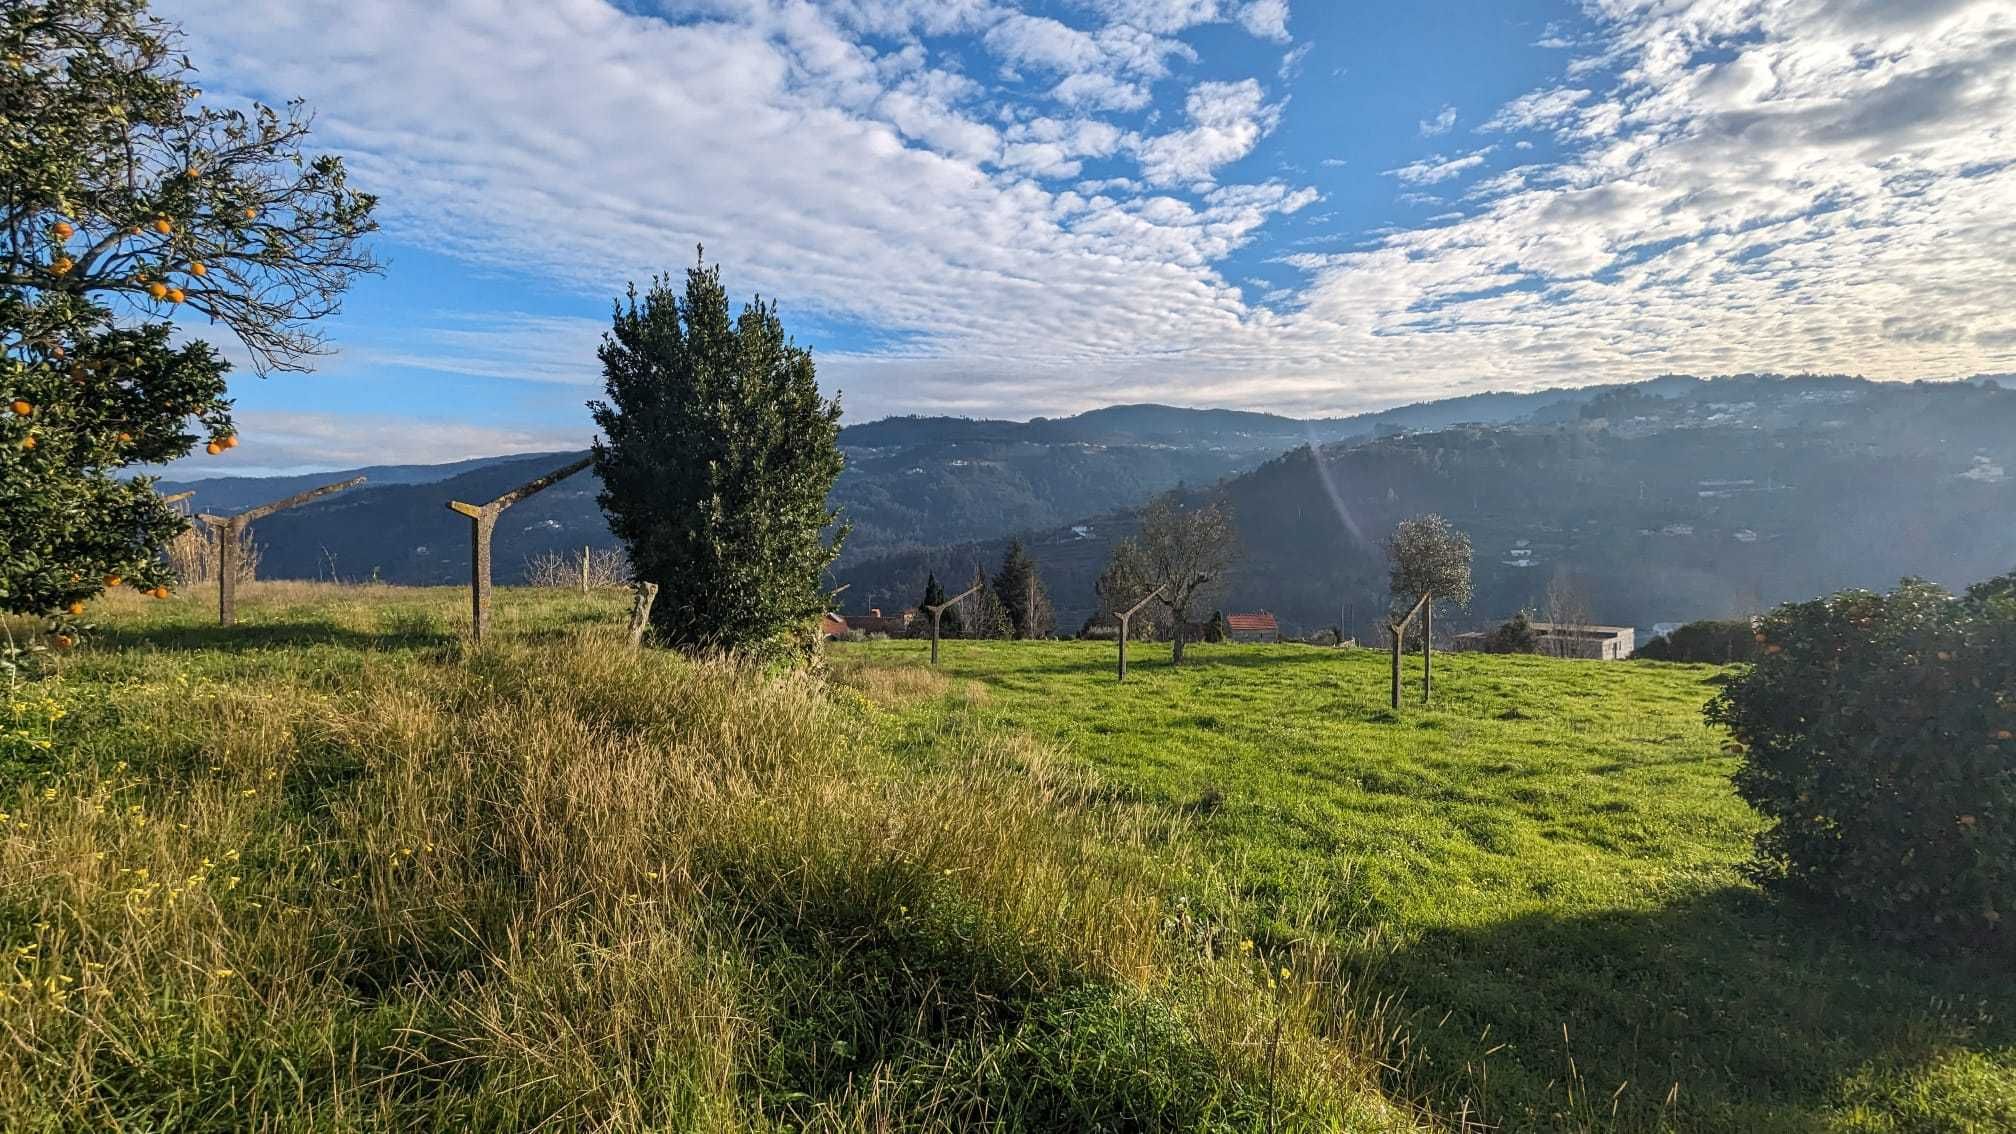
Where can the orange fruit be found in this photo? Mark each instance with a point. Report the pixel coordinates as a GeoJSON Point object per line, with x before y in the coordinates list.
{"type": "Point", "coordinates": [21, 407]}
{"type": "Point", "coordinates": [112, 580]}
{"type": "Point", "coordinates": [76, 608]}
{"type": "Point", "coordinates": [197, 268]}
{"type": "Point", "coordinates": [28, 442]}
{"type": "Point", "coordinates": [213, 448]}
{"type": "Point", "coordinates": [193, 172]}
{"type": "Point", "coordinates": [63, 230]}
{"type": "Point", "coordinates": [231, 441]}
{"type": "Point", "coordinates": [134, 231]}
{"type": "Point", "coordinates": [65, 641]}
{"type": "Point", "coordinates": [163, 225]}
{"type": "Point", "coordinates": [125, 438]}
{"type": "Point", "coordinates": [159, 592]}
{"type": "Point", "coordinates": [251, 213]}
{"type": "Point", "coordinates": [158, 290]}
{"type": "Point", "coordinates": [57, 350]}
{"type": "Point", "coordinates": [175, 295]}
{"type": "Point", "coordinates": [62, 265]}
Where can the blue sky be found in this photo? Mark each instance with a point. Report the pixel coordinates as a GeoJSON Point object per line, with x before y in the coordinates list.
{"type": "Point", "coordinates": [989, 207]}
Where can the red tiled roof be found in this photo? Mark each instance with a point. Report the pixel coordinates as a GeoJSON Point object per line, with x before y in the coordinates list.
{"type": "Point", "coordinates": [1263, 621]}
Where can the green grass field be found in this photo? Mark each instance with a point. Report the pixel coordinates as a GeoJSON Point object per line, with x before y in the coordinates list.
{"type": "Point", "coordinates": [338, 869]}
{"type": "Point", "coordinates": [1542, 867]}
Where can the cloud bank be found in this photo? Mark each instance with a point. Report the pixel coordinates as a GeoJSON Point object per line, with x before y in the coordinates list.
{"type": "Point", "coordinates": [1729, 185]}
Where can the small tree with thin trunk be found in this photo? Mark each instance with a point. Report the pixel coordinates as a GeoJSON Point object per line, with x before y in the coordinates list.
{"type": "Point", "coordinates": [1430, 564]}
{"type": "Point", "coordinates": [718, 456]}
{"type": "Point", "coordinates": [1186, 552]}
{"type": "Point", "coordinates": [1019, 586]}
{"type": "Point", "coordinates": [1429, 557]}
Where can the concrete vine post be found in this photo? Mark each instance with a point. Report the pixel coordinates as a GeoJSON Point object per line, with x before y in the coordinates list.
{"type": "Point", "coordinates": [640, 611]}
{"type": "Point", "coordinates": [1427, 652]}
{"type": "Point", "coordinates": [938, 611]}
{"type": "Point", "coordinates": [1126, 618]}
{"type": "Point", "coordinates": [1399, 632]}
{"type": "Point", "coordinates": [482, 523]}
{"type": "Point", "coordinates": [227, 529]}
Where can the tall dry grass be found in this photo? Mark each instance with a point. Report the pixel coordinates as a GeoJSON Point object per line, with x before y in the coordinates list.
{"type": "Point", "coordinates": [551, 884]}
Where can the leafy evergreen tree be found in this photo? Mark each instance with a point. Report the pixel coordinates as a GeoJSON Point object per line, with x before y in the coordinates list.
{"type": "Point", "coordinates": [1019, 586]}
{"type": "Point", "coordinates": [949, 624]}
{"type": "Point", "coordinates": [1515, 636]}
{"type": "Point", "coordinates": [115, 182]}
{"type": "Point", "coordinates": [717, 457]}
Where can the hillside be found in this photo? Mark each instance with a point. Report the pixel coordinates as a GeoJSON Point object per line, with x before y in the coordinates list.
{"type": "Point", "coordinates": [909, 482]}
{"type": "Point", "coordinates": [1541, 871]}
{"type": "Point", "coordinates": [335, 869]}
{"type": "Point", "coordinates": [1686, 500]}
{"type": "Point", "coordinates": [336, 861]}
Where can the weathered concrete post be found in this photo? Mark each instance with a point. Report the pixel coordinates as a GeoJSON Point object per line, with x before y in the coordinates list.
{"type": "Point", "coordinates": [482, 523]}
{"type": "Point", "coordinates": [938, 611]}
{"type": "Point", "coordinates": [1399, 632]}
{"type": "Point", "coordinates": [640, 611]}
{"type": "Point", "coordinates": [1427, 653]}
{"type": "Point", "coordinates": [227, 530]}
{"type": "Point", "coordinates": [1126, 620]}
{"type": "Point", "coordinates": [1395, 632]}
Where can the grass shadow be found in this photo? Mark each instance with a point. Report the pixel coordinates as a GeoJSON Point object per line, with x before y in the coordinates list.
{"type": "Point", "coordinates": [1725, 1011]}
{"type": "Point", "coordinates": [255, 637]}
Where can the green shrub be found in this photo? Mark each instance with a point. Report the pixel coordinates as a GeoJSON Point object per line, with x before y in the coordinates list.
{"type": "Point", "coordinates": [1514, 637]}
{"type": "Point", "coordinates": [1709, 640]}
{"type": "Point", "coordinates": [1879, 736]}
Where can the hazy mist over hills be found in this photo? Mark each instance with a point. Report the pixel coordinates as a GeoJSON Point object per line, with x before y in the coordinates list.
{"type": "Point", "coordinates": [1658, 501]}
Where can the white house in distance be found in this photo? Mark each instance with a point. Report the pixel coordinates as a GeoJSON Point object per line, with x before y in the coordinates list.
{"type": "Point", "coordinates": [1556, 640]}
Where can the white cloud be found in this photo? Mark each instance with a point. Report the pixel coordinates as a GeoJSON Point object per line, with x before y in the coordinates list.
{"type": "Point", "coordinates": [1226, 121]}
{"type": "Point", "coordinates": [1429, 171]}
{"type": "Point", "coordinates": [1095, 91]}
{"type": "Point", "coordinates": [1770, 184]}
{"type": "Point", "coordinates": [1267, 19]}
{"type": "Point", "coordinates": [279, 442]}
{"type": "Point", "coordinates": [1535, 109]}
{"type": "Point", "coordinates": [1443, 122]}
{"type": "Point", "coordinates": [1291, 62]}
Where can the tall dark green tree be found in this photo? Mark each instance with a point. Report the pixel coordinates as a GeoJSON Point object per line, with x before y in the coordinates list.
{"type": "Point", "coordinates": [1019, 586]}
{"type": "Point", "coordinates": [949, 624]}
{"type": "Point", "coordinates": [717, 455]}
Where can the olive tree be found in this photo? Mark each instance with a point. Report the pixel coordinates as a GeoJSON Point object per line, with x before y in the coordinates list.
{"type": "Point", "coordinates": [1187, 551]}
{"type": "Point", "coordinates": [1430, 563]}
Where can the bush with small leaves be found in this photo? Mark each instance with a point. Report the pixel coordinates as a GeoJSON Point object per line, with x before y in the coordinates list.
{"type": "Point", "coordinates": [1878, 735]}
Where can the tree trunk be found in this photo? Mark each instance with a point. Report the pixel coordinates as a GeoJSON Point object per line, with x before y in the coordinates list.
{"type": "Point", "coordinates": [1176, 643]}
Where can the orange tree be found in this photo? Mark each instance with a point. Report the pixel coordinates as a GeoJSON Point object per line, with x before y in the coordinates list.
{"type": "Point", "coordinates": [123, 198]}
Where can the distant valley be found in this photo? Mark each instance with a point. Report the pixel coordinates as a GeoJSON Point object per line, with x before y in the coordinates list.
{"type": "Point", "coordinates": [1660, 501]}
